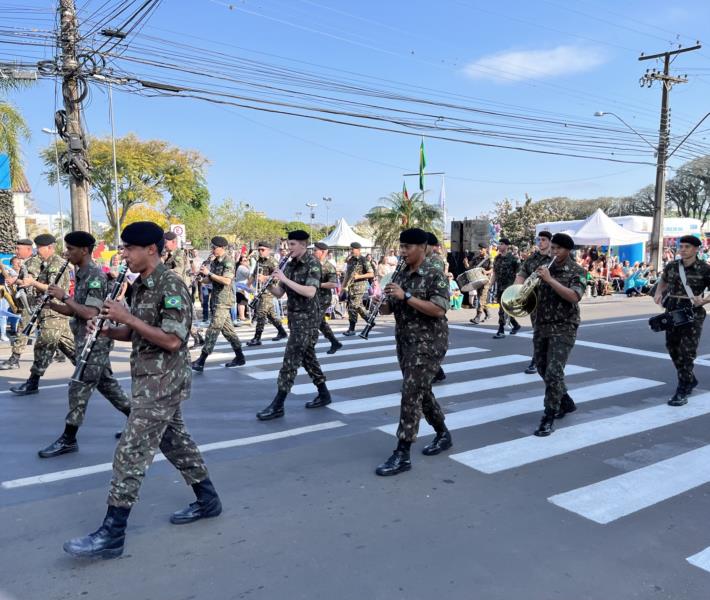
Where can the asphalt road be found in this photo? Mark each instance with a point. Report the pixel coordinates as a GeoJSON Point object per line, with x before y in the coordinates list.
{"type": "Point", "coordinates": [611, 506]}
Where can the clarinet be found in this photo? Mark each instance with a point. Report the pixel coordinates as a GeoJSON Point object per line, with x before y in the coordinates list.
{"type": "Point", "coordinates": [374, 311]}
{"type": "Point", "coordinates": [255, 300]}
{"type": "Point", "coordinates": [43, 302]}
{"type": "Point", "coordinates": [89, 345]}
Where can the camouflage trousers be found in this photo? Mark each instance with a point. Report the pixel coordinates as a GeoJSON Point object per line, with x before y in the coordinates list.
{"type": "Point", "coordinates": [20, 342]}
{"type": "Point", "coordinates": [324, 327]}
{"type": "Point", "coordinates": [682, 345]}
{"type": "Point", "coordinates": [550, 354]}
{"type": "Point", "coordinates": [265, 310]}
{"type": "Point", "coordinates": [97, 375]}
{"type": "Point", "coordinates": [221, 323]}
{"type": "Point", "coordinates": [419, 364]}
{"type": "Point", "coordinates": [483, 299]}
{"type": "Point", "coordinates": [147, 429]}
{"type": "Point", "coordinates": [355, 306]}
{"type": "Point", "coordinates": [54, 334]}
{"type": "Point", "coordinates": [300, 352]}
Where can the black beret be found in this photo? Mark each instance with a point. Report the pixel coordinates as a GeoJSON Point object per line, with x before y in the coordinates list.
{"type": "Point", "coordinates": [482, 246]}
{"type": "Point", "coordinates": [356, 245]}
{"type": "Point", "coordinates": [690, 239]}
{"type": "Point", "coordinates": [321, 246]}
{"type": "Point", "coordinates": [24, 242]}
{"type": "Point", "coordinates": [169, 235]}
{"type": "Point", "coordinates": [563, 240]}
{"type": "Point", "coordinates": [545, 234]}
{"type": "Point", "coordinates": [413, 236]}
{"type": "Point", "coordinates": [298, 235]}
{"type": "Point", "coordinates": [505, 241]}
{"type": "Point", "coordinates": [263, 244]}
{"type": "Point", "coordinates": [431, 239]}
{"type": "Point", "coordinates": [45, 239]}
{"type": "Point", "coordinates": [219, 241]}
{"type": "Point", "coordinates": [80, 239]}
{"type": "Point", "coordinates": [143, 233]}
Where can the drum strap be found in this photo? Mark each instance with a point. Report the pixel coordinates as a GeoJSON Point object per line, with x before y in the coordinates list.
{"type": "Point", "coordinates": [681, 272]}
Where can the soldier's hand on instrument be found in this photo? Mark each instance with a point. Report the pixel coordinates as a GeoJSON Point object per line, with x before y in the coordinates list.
{"type": "Point", "coordinates": [279, 274]}
{"type": "Point", "coordinates": [658, 299]}
{"type": "Point", "coordinates": [115, 311]}
{"type": "Point", "coordinates": [93, 323]}
{"type": "Point", "coordinates": [55, 291]}
{"type": "Point", "coordinates": [204, 270]}
{"type": "Point", "coordinates": [394, 291]}
{"type": "Point", "coordinates": [698, 301]}
{"type": "Point", "coordinates": [544, 274]}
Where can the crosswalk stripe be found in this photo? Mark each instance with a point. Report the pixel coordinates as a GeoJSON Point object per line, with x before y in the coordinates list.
{"type": "Point", "coordinates": [522, 451]}
{"type": "Point", "coordinates": [701, 559]}
{"type": "Point", "coordinates": [505, 410]}
{"type": "Point", "coordinates": [368, 362]}
{"type": "Point", "coordinates": [349, 352]}
{"type": "Point", "coordinates": [613, 498]}
{"type": "Point", "coordinates": [348, 407]}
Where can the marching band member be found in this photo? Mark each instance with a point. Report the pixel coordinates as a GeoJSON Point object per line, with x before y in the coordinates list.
{"type": "Point", "coordinates": [505, 267]}
{"type": "Point", "coordinates": [357, 272]}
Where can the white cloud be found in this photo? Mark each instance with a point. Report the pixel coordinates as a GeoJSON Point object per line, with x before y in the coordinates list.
{"type": "Point", "coordinates": [521, 65]}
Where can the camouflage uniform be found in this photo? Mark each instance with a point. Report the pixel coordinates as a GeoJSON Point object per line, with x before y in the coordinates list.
{"type": "Point", "coordinates": [484, 262]}
{"type": "Point", "coordinates": [682, 342]}
{"type": "Point", "coordinates": [531, 264]}
{"type": "Point", "coordinates": [177, 261]}
{"type": "Point", "coordinates": [90, 289]}
{"type": "Point", "coordinates": [325, 299]}
{"type": "Point", "coordinates": [356, 266]}
{"type": "Point", "coordinates": [222, 301]}
{"type": "Point", "coordinates": [265, 309]}
{"type": "Point", "coordinates": [422, 342]}
{"type": "Point", "coordinates": [303, 320]}
{"type": "Point", "coordinates": [20, 342]}
{"type": "Point", "coordinates": [505, 268]}
{"type": "Point", "coordinates": [54, 332]}
{"type": "Point", "coordinates": [161, 380]}
{"type": "Point", "coordinates": [555, 332]}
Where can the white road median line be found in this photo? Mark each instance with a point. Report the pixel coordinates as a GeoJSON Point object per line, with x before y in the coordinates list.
{"type": "Point", "coordinates": [356, 364]}
{"type": "Point", "coordinates": [504, 410]}
{"type": "Point", "coordinates": [701, 560]}
{"type": "Point", "coordinates": [619, 496]}
{"type": "Point", "coordinates": [256, 439]}
{"type": "Point", "coordinates": [523, 451]}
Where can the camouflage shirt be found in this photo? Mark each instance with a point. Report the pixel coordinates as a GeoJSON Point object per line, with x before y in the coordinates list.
{"type": "Point", "coordinates": [554, 315]}
{"type": "Point", "coordinates": [437, 260]}
{"type": "Point", "coordinates": [531, 264]}
{"type": "Point", "coordinates": [505, 268]}
{"type": "Point", "coordinates": [698, 277]}
{"type": "Point", "coordinates": [480, 260]}
{"type": "Point", "coordinates": [356, 265]}
{"type": "Point", "coordinates": [414, 328]}
{"type": "Point", "coordinates": [306, 271]}
{"type": "Point", "coordinates": [159, 376]}
{"type": "Point", "coordinates": [46, 272]}
{"type": "Point", "coordinates": [222, 294]}
{"type": "Point", "coordinates": [265, 265]}
{"type": "Point", "coordinates": [328, 275]}
{"type": "Point", "coordinates": [90, 289]}
{"type": "Point", "coordinates": [177, 261]}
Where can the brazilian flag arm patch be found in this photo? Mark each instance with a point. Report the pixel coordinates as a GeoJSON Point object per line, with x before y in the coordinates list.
{"type": "Point", "coordinates": [94, 284]}
{"type": "Point", "coordinates": [173, 302]}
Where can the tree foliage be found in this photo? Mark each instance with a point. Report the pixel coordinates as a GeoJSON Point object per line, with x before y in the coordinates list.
{"type": "Point", "coordinates": [396, 213]}
{"type": "Point", "coordinates": [688, 192]}
{"type": "Point", "coordinates": [13, 130]}
{"type": "Point", "coordinates": [518, 220]}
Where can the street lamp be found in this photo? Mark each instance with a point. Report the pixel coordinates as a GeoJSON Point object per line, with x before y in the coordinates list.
{"type": "Point", "coordinates": [55, 133]}
{"type": "Point", "coordinates": [312, 206]}
{"type": "Point", "coordinates": [601, 113]}
{"type": "Point", "coordinates": [327, 200]}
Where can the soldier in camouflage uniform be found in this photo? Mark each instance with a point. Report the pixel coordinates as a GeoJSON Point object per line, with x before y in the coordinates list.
{"type": "Point", "coordinates": [419, 299]}
{"type": "Point", "coordinates": [357, 272]}
{"type": "Point", "coordinates": [54, 332]}
{"type": "Point", "coordinates": [433, 254]}
{"type": "Point", "coordinates": [483, 261]}
{"type": "Point", "coordinates": [300, 281]}
{"type": "Point", "coordinates": [158, 326]}
{"type": "Point", "coordinates": [556, 322]}
{"type": "Point", "coordinates": [539, 258]}
{"type": "Point", "coordinates": [25, 297]}
{"type": "Point", "coordinates": [328, 282]}
{"type": "Point", "coordinates": [90, 289]}
{"type": "Point", "coordinates": [505, 268]}
{"type": "Point", "coordinates": [220, 272]}
{"type": "Point", "coordinates": [265, 266]}
{"type": "Point", "coordinates": [682, 342]}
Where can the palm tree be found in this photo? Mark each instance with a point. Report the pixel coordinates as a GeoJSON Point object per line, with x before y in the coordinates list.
{"type": "Point", "coordinates": [398, 213]}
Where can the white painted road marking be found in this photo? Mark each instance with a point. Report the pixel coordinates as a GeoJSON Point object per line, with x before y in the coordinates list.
{"type": "Point", "coordinates": [701, 559]}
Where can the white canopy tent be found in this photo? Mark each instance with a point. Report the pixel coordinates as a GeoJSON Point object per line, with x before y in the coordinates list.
{"type": "Point", "coordinates": [600, 230]}
{"type": "Point", "coordinates": [343, 235]}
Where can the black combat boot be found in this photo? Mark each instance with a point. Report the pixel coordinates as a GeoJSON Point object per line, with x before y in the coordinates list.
{"type": "Point", "coordinates": [398, 462]}
{"type": "Point", "coordinates": [322, 399]}
{"type": "Point", "coordinates": [500, 334]}
{"type": "Point", "coordinates": [31, 386]}
{"type": "Point", "coordinates": [547, 425]}
{"type": "Point", "coordinates": [199, 364]}
{"type": "Point", "coordinates": [207, 506]}
{"type": "Point", "coordinates": [693, 385]}
{"type": "Point", "coordinates": [440, 376]}
{"type": "Point", "coordinates": [335, 345]}
{"type": "Point", "coordinates": [237, 361]}
{"type": "Point", "coordinates": [11, 363]}
{"type": "Point", "coordinates": [476, 320]}
{"type": "Point", "coordinates": [567, 406]}
{"type": "Point", "coordinates": [65, 444]}
{"type": "Point", "coordinates": [680, 398]}
{"type": "Point", "coordinates": [107, 541]}
{"type": "Point", "coordinates": [280, 335]}
{"type": "Point", "coordinates": [255, 341]}
{"type": "Point", "coordinates": [275, 409]}
{"type": "Point", "coordinates": [531, 369]}
{"type": "Point", "coordinates": [442, 441]}
{"type": "Point", "coordinates": [516, 326]}
{"type": "Point", "coordinates": [351, 329]}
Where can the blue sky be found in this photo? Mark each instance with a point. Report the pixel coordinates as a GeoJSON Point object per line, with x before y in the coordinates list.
{"type": "Point", "coordinates": [548, 57]}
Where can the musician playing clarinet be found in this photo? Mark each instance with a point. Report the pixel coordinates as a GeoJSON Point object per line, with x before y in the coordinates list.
{"type": "Point", "coordinates": [90, 290]}
{"type": "Point", "coordinates": [419, 300]}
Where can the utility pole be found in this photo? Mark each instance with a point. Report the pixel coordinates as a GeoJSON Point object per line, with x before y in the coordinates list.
{"type": "Point", "coordinates": [73, 92]}
{"type": "Point", "coordinates": [667, 82]}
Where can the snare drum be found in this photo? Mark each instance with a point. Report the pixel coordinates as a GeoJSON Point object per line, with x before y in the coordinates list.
{"type": "Point", "coordinates": [473, 279]}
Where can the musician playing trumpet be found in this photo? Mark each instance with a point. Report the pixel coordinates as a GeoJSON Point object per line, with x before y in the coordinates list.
{"type": "Point", "coordinates": [90, 289]}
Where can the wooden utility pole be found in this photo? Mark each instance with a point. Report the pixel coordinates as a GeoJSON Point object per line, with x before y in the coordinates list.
{"type": "Point", "coordinates": [667, 82]}
{"type": "Point", "coordinates": [73, 91]}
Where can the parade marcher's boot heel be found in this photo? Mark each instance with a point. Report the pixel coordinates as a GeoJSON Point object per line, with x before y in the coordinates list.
{"type": "Point", "coordinates": [208, 505]}
{"type": "Point", "coordinates": [107, 541]}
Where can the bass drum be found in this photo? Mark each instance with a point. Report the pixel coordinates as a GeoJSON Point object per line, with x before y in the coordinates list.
{"type": "Point", "coordinates": [473, 279]}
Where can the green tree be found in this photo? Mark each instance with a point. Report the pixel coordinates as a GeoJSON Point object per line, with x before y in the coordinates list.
{"type": "Point", "coordinates": [13, 130]}
{"type": "Point", "coordinates": [396, 213]}
{"type": "Point", "coordinates": [688, 192]}
{"type": "Point", "coordinates": [518, 221]}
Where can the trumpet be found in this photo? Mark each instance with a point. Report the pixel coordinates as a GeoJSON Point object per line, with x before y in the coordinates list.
{"type": "Point", "coordinates": [43, 302]}
{"type": "Point", "coordinates": [91, 341]}
{"type": "Point", "coordinates": [375, 308]}
{"type": "Point", "coordinates": [257, 297]}
{"type": "Point", "coordinates": [519, 300]}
